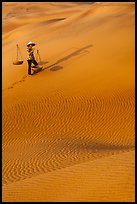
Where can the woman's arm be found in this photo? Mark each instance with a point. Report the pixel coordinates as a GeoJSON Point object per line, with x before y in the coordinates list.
{"type": "Point", "coordinates": [30, 51]}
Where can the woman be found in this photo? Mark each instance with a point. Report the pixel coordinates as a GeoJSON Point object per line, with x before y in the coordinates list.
{"type": "Point", "coordinates": [31, 58]}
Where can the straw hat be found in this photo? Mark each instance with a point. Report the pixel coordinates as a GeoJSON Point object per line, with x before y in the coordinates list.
{"type": "Point", "coordinates": [31, 43]}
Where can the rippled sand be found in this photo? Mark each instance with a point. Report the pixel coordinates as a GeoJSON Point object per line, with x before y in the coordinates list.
{"type": "Point", "coordinates": [68, 131]}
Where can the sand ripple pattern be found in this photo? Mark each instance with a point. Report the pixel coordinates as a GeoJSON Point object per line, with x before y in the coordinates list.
{"type": "Point", "coordinates": [57, 132]}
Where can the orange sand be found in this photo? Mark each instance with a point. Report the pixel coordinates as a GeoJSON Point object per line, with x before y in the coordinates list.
{"type": "Point", "coordinates": [68, 131]}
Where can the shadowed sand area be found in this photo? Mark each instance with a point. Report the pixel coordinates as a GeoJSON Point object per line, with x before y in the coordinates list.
{"type": "Point", "coordinates": [68, 130]}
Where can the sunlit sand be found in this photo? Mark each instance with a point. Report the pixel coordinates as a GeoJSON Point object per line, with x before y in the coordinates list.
{"type": "Point", "coordinates": [68, 130]}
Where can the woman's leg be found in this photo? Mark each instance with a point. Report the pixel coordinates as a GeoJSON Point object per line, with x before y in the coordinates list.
{"type": "Point", "coordinates": [29, 66]}
{"type": "Point", "coordinates": [34, 62]}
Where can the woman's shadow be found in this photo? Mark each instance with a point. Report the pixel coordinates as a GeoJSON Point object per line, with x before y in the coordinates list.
{"type": "Point", "coordinates": [56, 67]}
{"type": "Point", "coordinates": [42, 62]}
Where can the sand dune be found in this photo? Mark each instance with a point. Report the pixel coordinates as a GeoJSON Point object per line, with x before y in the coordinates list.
{"type": "Point", "coordinates": [69, 129]}
{"type": "Point", "coordinates": [60, 185]}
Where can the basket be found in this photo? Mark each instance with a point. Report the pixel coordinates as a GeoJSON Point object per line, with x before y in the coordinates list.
{"type": "Point", "coordinates": [18, 62]}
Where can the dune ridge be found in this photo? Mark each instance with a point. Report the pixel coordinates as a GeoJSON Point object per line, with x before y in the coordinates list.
{"type": "Point", "coordinates": [70, 189]}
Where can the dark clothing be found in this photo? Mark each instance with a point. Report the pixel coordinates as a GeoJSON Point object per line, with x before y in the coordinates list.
{"type": "Point", "coordinates": [31, 59]}
{"type": "Point", "coordinates": [29, 65]}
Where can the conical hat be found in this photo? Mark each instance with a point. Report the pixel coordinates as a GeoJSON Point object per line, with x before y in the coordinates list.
{"type": "Point", "coordinates": [31, 43]}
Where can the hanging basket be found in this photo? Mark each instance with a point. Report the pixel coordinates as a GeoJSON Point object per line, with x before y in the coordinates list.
{"type": "Point", "coordinates": [17, 61]}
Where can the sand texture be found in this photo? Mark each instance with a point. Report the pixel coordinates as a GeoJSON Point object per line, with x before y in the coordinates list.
{"type": "Point", "coordinates": [68, 130]}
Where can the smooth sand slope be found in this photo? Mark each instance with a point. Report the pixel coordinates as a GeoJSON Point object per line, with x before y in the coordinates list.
{"type": "Point", "coordinates": [68, 131]}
